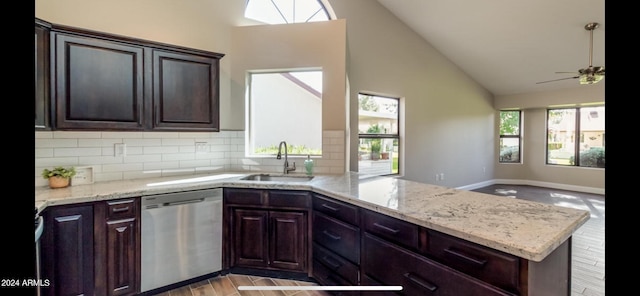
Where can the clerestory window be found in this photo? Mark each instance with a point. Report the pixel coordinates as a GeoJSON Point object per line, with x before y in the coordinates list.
{"type": "Point", "coordinates": [286, 11]}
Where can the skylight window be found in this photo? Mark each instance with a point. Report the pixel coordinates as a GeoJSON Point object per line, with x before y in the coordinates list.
{"type": "Point", "coordinates": [286, 11]}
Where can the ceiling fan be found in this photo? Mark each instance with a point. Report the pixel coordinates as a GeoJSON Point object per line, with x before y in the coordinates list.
{"type": "Point", "coordinates": [591, 74]}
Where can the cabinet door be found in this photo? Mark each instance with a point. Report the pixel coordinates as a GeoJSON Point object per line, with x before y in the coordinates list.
{"type": "Point", "coordinates": [117, 235]}
{"type": "Point", "coordinates": [250, 238]}
{"type": "Point", "coordinates": [121, 257]}
{"type": "Point", "coordinates": [288, 240]}
{"type": "Point", "coordinates": [67, 250]}
{"type": "Point", "coordinates": [185, 91]}
{"type": "Point", "coordinates": [98, 83]}
{"type": "Point", "coordinates": [41, 76]}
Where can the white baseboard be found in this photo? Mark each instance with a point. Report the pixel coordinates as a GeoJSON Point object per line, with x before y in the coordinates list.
{"type": "Point", "coordinates": [593, 190]}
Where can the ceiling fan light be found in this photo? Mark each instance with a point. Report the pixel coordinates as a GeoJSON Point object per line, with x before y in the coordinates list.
{"type": "Point", "coordinates": [590, 78]}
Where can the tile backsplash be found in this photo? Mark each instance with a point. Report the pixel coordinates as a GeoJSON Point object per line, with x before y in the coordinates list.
{"type": "Point", "coordinates": [158, 154]}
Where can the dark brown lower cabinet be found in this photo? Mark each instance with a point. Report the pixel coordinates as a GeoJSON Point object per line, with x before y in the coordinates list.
{"type": "Point", "coordinates": [92, 249]}
{"type": "Point", "coordinates": [67, 250]}
{"type": "Point", "coordinates": [416, 274]}
{"type": "Point", "coordinates": [270, 239]}
{"type": "Point", "coordinates": [117, 252]}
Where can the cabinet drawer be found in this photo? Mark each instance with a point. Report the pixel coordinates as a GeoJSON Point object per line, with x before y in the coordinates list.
{"type": "Point", "coordinates": [120, 209]}
{"type": "Point", "coordinates": [416, 274]}
{"type": "Point", "coordinates": [392, 229]}
{"type": "Point", "coordinates": [337, 236]}
{"type": "Point", "coordinates": [336, 209]}
{"type": "Point", "coordinates": [326, 277]}
{"type": "Point", "coordinates": [367, 281]}
{"type": "Point", "coordinates": [244, 197]}
{"type": "Point", "coordinates": [289, 199]}
{"type": "Point", "coordinates": [495, 267]}
{"type": "Point", "coordinates": [335, 264]}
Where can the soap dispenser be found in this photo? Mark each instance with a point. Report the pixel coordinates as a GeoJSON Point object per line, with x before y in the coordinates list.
{"type": "Point", "coordinates": [308, 165]}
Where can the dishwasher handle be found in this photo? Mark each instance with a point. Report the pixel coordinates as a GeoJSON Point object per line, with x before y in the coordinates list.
{"type": "Point", "coordinates": [182, 202]}
{"type": "Point", "coordinates": [180, 198]}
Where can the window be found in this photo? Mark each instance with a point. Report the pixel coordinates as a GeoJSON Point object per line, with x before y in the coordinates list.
{"type": "Point", "coordinates": [510, 143]}
{"type": "Point", "coordinates": [379, 135]}
{"type": "Point", "coordinates": [284, 106]}
{"type": "Point", "coordinates": [576, 131]}
{"type": "Point", "coordinates": [286, 11]}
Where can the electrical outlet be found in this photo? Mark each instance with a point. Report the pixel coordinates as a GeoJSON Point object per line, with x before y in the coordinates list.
{"type": "Point", "coordinates": [441, 176]}
{"type": "Point", "coordinates": [437, 177]}
{"type": "Point", "coordinates": [84, 175]}
{"type": "Point", "coordinates": [120, 149]}
{"type": "Point", "coordinates": [202, 147]}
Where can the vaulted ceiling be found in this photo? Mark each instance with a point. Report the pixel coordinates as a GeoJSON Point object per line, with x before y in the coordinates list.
{"type": "Point", "coordinates": [508, 46]}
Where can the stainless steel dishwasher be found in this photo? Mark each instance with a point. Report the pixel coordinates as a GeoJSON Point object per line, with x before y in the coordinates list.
{"type": "Point", "coordinates": [181, 237]}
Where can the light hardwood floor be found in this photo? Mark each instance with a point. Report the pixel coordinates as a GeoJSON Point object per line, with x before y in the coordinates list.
{"type": "Point", "coordinates": [227, 285]}
{"type": "Point", "coordinates": [588, 266]}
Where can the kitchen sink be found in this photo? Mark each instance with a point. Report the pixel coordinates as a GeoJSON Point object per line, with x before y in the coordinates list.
{"type": "Point", "coordinates": [277, 178]}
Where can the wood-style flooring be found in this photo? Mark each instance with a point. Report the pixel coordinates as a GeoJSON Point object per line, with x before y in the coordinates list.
{"type": "Point", "coordinates": [227, 285]}
{"type": "Point", "coordinates": [588, 268]}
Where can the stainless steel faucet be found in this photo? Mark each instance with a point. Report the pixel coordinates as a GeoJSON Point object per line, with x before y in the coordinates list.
{"type": "Point", "coordinates": [287, 169]}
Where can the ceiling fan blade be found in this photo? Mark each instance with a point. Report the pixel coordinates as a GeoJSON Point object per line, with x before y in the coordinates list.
{"type": "Point", "coordinates": [591, 74]}
{"type": "Point", "coordinates": [574, 77]}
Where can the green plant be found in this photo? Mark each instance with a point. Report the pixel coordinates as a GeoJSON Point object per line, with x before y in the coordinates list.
{"type": "Point", "coordinates": [375, 146]}
{"type": "Point", "coordinates": [60, 172]}
{"type": "Point", "coordinates": [593, 157]}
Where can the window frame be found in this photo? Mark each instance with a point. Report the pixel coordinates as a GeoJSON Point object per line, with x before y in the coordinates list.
{"type": "Point", "coordinates": [504, 136]}
{"type": "Point", "coordinates": [284, 15]}
{"type": "Point", "coordinates": [250, 120]}
{"type": "Point", "coordinates": [393, 136]}
{"type": "Point", "coordinates": [578, 135]}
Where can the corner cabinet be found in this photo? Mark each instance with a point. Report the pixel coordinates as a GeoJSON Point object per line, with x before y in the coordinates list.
{"type": "Point", "coordinates": [267, 229]}
{"type": "Point", "coordinates": [185, 91]}
{"type": "Point", "coordinates": [110, 82]}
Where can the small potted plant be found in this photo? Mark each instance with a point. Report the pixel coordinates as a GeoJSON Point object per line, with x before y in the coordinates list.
{"type": "Point", "coordinates": [375, 149]}
{"type": "Point", "coordinates": [59, 177]}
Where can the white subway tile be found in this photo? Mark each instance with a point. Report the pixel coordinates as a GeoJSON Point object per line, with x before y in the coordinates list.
{"type": "Point", "coordinates": [160, 165]}
{"type": "Point", "coordinates": [65, 152]}
{"type": "Point", "coordinates": [122, 135]}
{"type": "Point", "coordinates": [56, 143]}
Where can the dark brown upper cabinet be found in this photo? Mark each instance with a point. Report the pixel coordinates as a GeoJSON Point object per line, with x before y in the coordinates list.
{"type": "Point", "coordinates": [42, 75]}
{"type": "Point", "coordinates": [99, 83]}
{"type": "Point", "coordinates": [109, 82]}
{"type": "Point", "coordinates": [185, 91]}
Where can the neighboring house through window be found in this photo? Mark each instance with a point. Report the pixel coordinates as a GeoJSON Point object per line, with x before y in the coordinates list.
{"type": "Point", "coordinates": [575, 132]}
{"type": "Point", "coordinates": [272, 119]}
{"type": "Point", "coordinates": [379, 134]}
{"type": "Point", "coordinates": [510, 136]}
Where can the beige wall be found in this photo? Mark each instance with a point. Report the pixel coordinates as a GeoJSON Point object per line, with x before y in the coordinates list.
{"type": "Point", "coordinates": [533, 168]}
{"type": "Point", "coordinates": [293, 46]}
{"type": "Point", "coordinates": [448, 118]}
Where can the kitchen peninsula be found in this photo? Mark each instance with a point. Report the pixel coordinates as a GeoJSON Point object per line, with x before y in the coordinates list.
{"type": "Point", "coordinates": [539, 235]}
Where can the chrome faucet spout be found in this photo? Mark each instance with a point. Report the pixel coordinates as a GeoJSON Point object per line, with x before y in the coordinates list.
{"type": "Point", "coordinates": [287, 169]}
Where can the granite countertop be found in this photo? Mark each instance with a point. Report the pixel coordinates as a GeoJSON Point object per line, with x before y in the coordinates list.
{"type": "Point", "coordinates": [526, 229]}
